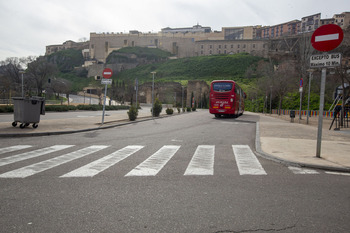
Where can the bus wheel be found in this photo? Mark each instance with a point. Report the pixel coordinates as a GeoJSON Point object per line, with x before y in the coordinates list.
{"type": "Point", "coordinates": [217, 115]}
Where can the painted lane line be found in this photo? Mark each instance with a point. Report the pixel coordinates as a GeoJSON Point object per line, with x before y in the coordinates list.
{"type": "Point", "coordinates": [152, 165]}
{"type": "Point", "coordinates": [32, 154]}
{"type": "Point", "coordinates": [202, 162]}
{"type": "Point", "coordinates": [102, 164]}
{"type": "Point", "coordinates": [338, 173]}
{"type": "Point", "coordinates": [50, 163]}
{"type": "Point", "coordinates": [299, 170]}
{"type": "Point", "coordinates": [247, 162]}
{"type": "Point", "coordinates": [13, 148]}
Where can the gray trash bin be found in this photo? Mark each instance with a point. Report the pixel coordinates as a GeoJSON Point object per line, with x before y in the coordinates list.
{"type": "Point", "coordinates": [28, 110]}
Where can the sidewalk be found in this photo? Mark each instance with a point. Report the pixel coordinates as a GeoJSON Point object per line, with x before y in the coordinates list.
{"type": "Point", "coordinates": [296, 143]}
{"type": "Point", "coordinates": [276, 137]}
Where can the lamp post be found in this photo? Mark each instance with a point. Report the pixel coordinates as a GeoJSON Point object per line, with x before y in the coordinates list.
{"type": "Point", "coordinates": [22, 72]}
{"type": "Point", "coordinates": [153, 73]}
{"type": "Point", "coordinates": [182, 101]}
{"type": "Point", "coordinates": [308, 97]}
{"type": "Point", "coordinates": [271, 100]}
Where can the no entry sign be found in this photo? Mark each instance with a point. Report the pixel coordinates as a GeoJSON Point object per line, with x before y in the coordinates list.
{"type": "Point", "coordinates": [327, 37]}
{"type": "Point", "coordinates": [107, 73]}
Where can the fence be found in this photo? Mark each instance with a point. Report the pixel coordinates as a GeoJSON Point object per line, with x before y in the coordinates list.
{"type": "Point", "coordinates": [329, 114]}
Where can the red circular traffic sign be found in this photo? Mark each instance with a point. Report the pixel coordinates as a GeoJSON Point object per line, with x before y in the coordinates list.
{"type": "Point", "coordinates": [327, 37]}
{"type": "Point", "coordinates": [107, 73]}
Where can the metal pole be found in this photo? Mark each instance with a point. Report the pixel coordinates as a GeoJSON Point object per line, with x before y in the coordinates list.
{"type": "Point", "coordinates": [137, 88]}
{"type": "Point", "coordinates": [308, 98]}
{"type": "Point", "coordinates": [320, 117]}
{"type": "Point", "coordinates": [21, 72]}
{"type": "Point", "coordinates": [104, 104]}
{"type": "Point", "coordinates": [182, 102]}
{"type": "Point", "coordinates": [271, 100]}
{"type": "Point", "coordinates": [152, 92]}
{"type": "Point", "coordinates": [301, 96]}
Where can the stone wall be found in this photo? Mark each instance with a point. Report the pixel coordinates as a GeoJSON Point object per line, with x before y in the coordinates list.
{"type": "Point", "coordinates": [199, 89]}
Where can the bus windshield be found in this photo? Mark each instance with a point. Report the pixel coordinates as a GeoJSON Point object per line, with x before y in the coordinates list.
{"type": "Point", "coordinates": [222, 86]}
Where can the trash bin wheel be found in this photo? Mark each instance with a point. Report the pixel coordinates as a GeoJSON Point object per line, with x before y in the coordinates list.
{"type": "Point", "coordinates": [22, 126]}
{"type": "Point", "coordinates": [35, 125]}
{"type": "Point", "coordinates": [14, 124]}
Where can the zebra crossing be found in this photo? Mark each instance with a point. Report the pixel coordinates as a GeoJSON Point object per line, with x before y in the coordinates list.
{"type": "Point", "coordinates": [201, 163]}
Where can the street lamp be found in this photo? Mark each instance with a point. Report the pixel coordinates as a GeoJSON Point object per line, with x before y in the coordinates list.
{"type": "Point", "coordinates": [308, 98]}
{"type": "Point", "coordinates": [22, 72]}
{"type": "Point", "coordinates": [182, 101]}
{"type": "Point", "coordinates": [153, 73]}
{"type": "Point", "coordinates": [271, 99]}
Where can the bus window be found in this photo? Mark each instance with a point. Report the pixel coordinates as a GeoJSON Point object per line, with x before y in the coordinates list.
{"type": "Point", "coordinates": [220, 87]}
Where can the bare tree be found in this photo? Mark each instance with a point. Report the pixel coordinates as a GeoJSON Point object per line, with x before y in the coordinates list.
{"type": "Point", "coordinates": [40, 71]}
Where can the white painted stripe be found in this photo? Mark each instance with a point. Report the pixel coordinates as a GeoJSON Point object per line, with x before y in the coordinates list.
{"type": "Point", "coordinates": [338, 173]}
{"type": "Point", "coordinates": [327, 37]}
{"type": "Point", "coordinates": [202, 162]}
{"type": "Point", "coordinates": [51, 163]}
{"type": "Point", "coordinates": [247, 162]}
{"type": "Point", "coordinates": [107, 72]}
{"type": "Point", "coordinates": [32, 154]}
{"type": "Point", "coordinates": [13, 148]}
{"type": "Point", "coordinates": [102, 164]}
{"type": "Point", "coordinates": [299, 170]}
{"type": "Point", "coordinates": [152, 165]}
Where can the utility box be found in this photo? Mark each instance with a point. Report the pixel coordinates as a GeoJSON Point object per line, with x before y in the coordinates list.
{"type": "Point", "coordinates": [28, 110]}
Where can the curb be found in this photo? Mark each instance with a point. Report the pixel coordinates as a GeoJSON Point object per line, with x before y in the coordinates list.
{"type": "Point", "coordinates": [265, 155]}
{"type": "Point", "coordinates": [142, 119]}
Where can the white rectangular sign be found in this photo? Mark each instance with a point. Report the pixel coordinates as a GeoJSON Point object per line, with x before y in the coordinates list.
{"type": "Point", "coordinates": [106, 81]}
{"type": "Point", "coordinates": [325, 60]}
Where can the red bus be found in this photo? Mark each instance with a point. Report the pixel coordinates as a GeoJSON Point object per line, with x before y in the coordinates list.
{"type": "Point", "coordinates": [226, 98]}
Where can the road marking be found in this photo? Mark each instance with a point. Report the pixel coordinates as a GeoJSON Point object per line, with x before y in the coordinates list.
{"type": "Point", "coordinates": [102, 164]}
{"type": "Point", "coordinates": [152, 165]}
{"type": "Point", "coordinates": [202, 162]}
{"type": "Point", "coordinates": [247, 162]}
{"type": "Point", "coordinates": [32, 154]}
{"type": "Point", "coordinates": [299, 170]}
{"type": "Point", "coordinates": [338, 173]}
{"type": "Point", "coordinates": [50, 163]}
{"type": "Point", "coordinates": [13, 148]}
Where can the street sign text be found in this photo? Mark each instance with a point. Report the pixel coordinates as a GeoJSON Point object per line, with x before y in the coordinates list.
{"type": "Point", "coordinates": [325, 60]}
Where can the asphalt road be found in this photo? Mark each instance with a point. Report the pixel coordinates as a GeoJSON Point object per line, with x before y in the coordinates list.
{"type": "Point", "coordinates": [187, 173]}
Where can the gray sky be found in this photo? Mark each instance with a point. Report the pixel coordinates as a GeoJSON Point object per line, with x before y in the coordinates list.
{"type": "Point", "coordinates": [27, 26]}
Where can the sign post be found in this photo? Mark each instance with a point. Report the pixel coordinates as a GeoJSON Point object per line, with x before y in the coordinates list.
{"type": "Point", "coordinates": [107, 74]}
{"type": "Point", "coordinates": [324, 39]}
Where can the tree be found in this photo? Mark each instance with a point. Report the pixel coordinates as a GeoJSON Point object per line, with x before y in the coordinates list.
{"type": "Point", "coordinates": [40, 71]}
{"type": "Point", "coordinates": [285, 80]}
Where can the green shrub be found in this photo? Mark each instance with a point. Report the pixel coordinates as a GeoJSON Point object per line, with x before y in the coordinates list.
{"type": "Point", "coordinates": [188, 109]}
{"type": "Point", "coordinates": [6, 108]}
{"type": "Point", "coordinates": [157, 107]}
{"type": "Point", "coordinates": [132, 113]}
{"type": "Point", "coordinates": [193, 109]}
{"type": "Point", "coordinates": [169, 111]}
{"type": "Point", "coordinates": [57, 108]}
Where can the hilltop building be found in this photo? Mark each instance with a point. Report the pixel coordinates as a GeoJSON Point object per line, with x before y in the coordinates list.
{"type": "Point", "coordinates": [199, 40]}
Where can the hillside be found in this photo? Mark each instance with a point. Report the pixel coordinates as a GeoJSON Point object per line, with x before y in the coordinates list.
{"type": "Point", "coordinates": [206, 68]}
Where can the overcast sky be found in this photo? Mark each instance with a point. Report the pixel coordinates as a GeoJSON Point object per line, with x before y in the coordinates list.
{"type": "Point", "coordinates": [27, 26]}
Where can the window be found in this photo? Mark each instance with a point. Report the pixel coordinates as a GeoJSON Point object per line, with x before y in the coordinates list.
{"type": "Point", "coordinates": [222, 86]}
{"type": "Point", "coordinates": [232, 46]}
